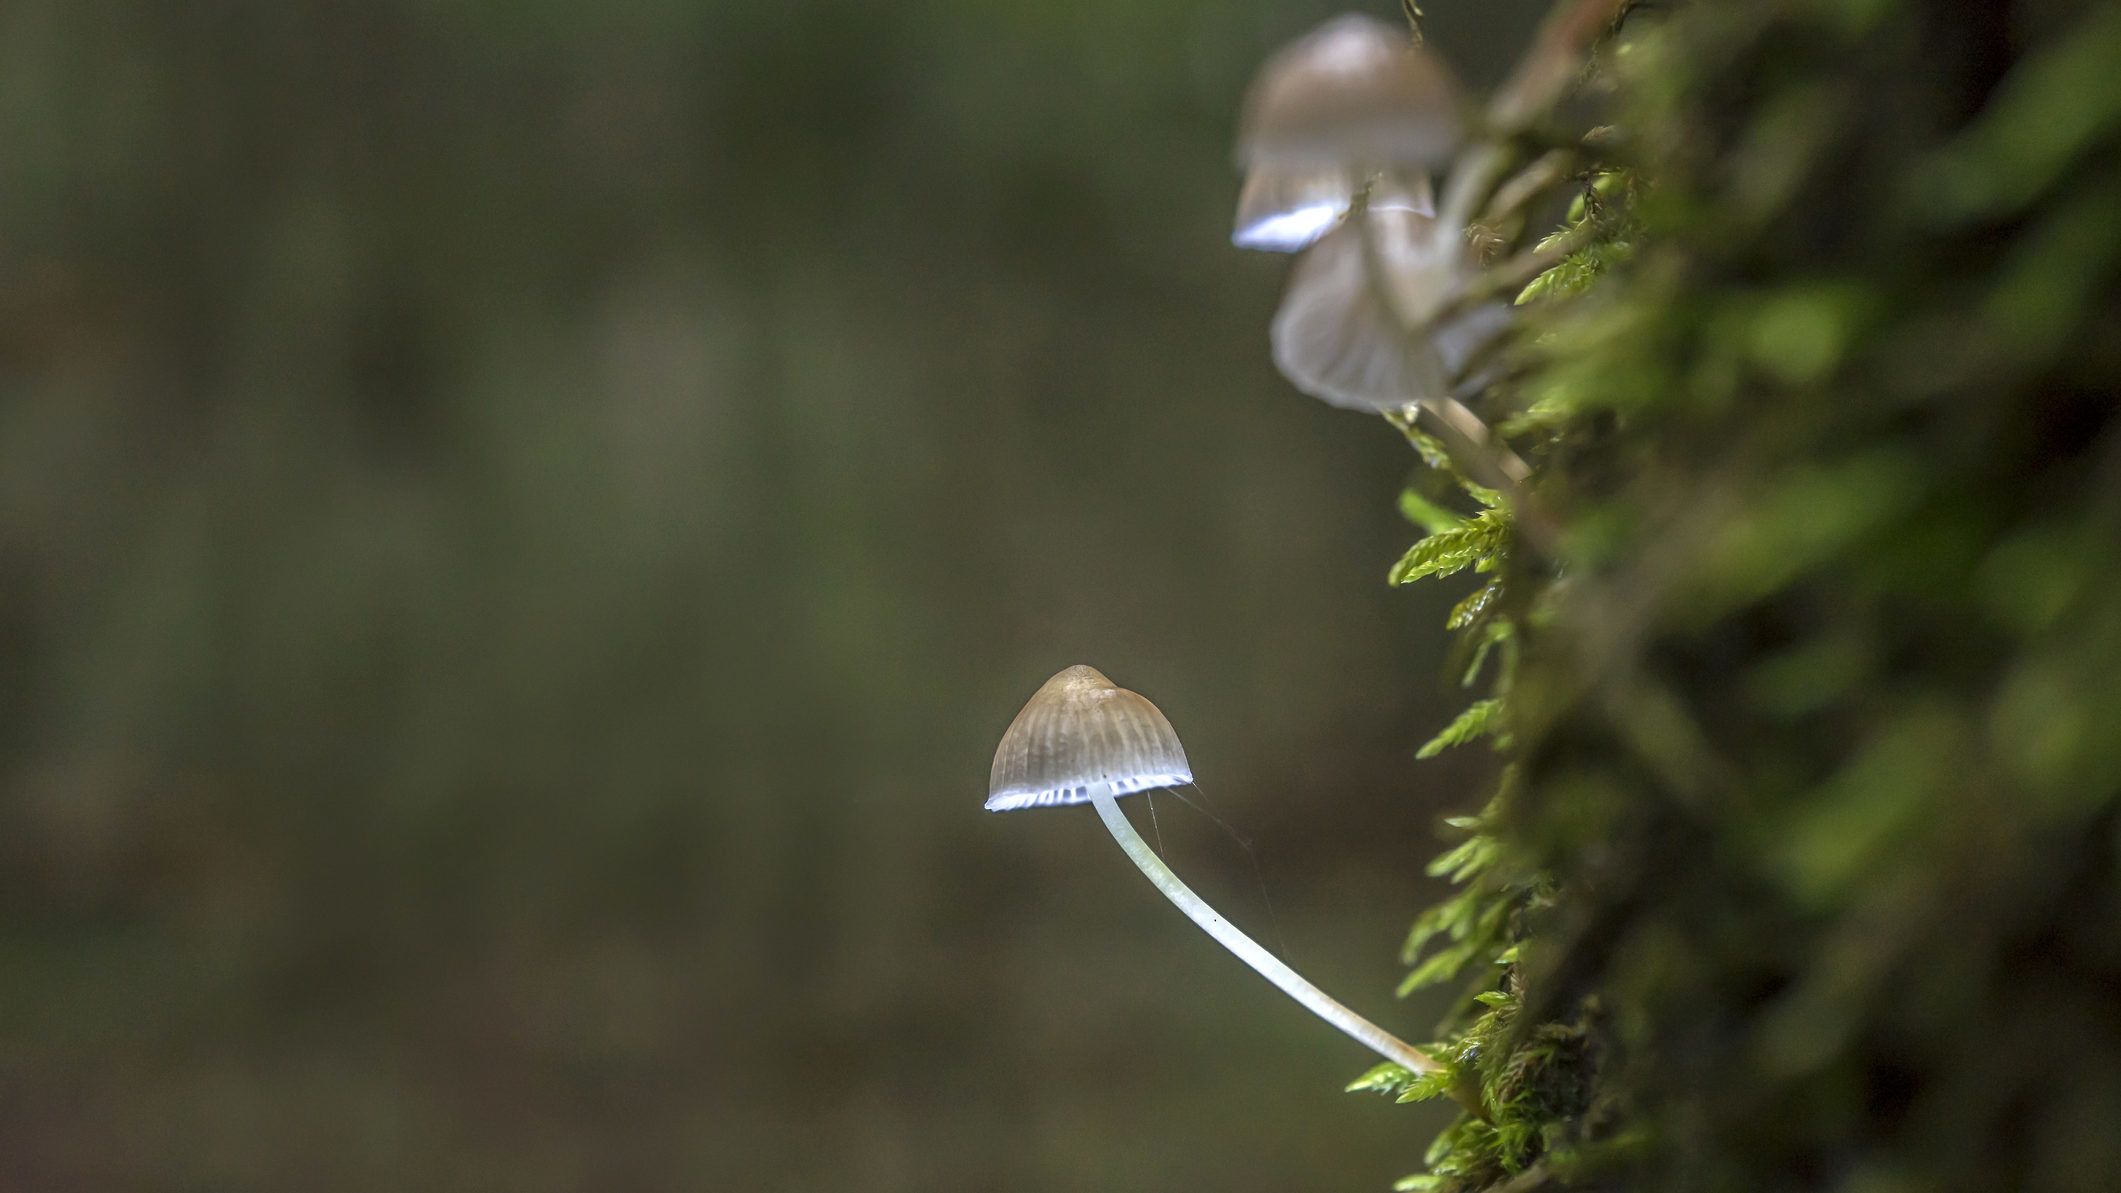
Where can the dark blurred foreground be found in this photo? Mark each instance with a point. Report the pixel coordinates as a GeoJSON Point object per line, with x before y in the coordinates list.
{"type": "Point", "coordinates": [521, 525]}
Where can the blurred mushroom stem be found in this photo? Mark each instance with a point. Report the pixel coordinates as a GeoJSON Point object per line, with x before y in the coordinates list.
{"type": "Point", "coordinates": [1504, 469]}
{"type": "Point", "coordinates": [1469, 439]}
{"type": "Point", "coordinates": [1270, 967]}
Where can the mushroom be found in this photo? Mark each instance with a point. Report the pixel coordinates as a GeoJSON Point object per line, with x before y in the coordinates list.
{"type": "Point", "coordinates": [1340, 133]}
{"type": "Point", "coordinates": [1355, 99]}
{"type": "Point", "coordinates": [1357, 326]}
{"type": "Point", "coordinates": [1082, 739]}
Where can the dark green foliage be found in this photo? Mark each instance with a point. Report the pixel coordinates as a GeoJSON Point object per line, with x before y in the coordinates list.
{"type": "Point", "coordinates": [1524, 1088]}
{"type": "Point", "coordinates": [1812, 844]}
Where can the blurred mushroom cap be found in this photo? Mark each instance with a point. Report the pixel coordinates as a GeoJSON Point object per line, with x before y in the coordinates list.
{"type": "Point", "coordinates": [1356, 91]}
{"type": "Point", "coordinates": [1283, 211]}
{"type": "Point", "coordinates": [1287, 210]}
{"type": "Point", "coordinates": [1081, 737]}
{"type": "Point", "coordinates": [1369, 343]}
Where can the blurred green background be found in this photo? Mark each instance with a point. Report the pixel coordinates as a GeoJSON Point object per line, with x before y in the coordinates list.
{"type": "Point", "coordinates": [521, 524]}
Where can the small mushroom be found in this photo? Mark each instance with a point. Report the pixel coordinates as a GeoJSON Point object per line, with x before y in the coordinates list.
{"type": "Point", "coordinates": [1357, 326]}
{"type": "Point", "coordinates": [1353, 100]}
{"type": "Point", "coordinates": [1354, 93]}
{"type": "Point", "coordinates": [1082, 739]}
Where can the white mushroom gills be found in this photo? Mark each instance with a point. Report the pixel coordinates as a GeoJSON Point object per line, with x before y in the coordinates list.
{"type": "Point", "coordinates": [1083, 739]}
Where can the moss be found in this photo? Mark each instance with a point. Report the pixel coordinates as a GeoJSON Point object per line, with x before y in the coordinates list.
{"type": "Point", "coordinates": [1807, 873]}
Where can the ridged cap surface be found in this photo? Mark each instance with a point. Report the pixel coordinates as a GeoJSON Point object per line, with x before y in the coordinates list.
{"type": "Point", "coordinates": [1082, 736]}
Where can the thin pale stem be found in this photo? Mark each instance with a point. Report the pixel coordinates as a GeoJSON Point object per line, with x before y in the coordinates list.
{"type": "Point", "coordinates": [1270, 967]}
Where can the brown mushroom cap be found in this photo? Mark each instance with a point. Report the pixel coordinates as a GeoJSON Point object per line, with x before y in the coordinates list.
{"type": "Point", "coordinates": [1356, 91]}
{"type": "Point", "coordinates": [1081, 737]}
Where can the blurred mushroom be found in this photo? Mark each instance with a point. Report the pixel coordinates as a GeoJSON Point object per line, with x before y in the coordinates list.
{"type": "Point", "coordinates": [1082, 739]}
{"type": "Point", "coordinates": [1358, 326]}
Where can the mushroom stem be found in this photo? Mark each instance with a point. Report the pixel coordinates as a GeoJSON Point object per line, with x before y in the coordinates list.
{"type": "Point", "coordinates": [1270, 967]}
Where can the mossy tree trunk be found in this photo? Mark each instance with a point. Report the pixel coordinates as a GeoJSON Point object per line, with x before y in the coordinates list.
{"type": "Point", "coordinates": [1817, 725]}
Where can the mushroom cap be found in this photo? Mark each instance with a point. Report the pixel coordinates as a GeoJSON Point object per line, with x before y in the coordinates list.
{"type": "Point", "coordinates": [1368, 343]}
{"type": "Point", "coordinates": [1081, 737]}
{"type": "Point", "coordinates": [1354, 91]}
{"type": "Point", "coordinates": [1286, 210]}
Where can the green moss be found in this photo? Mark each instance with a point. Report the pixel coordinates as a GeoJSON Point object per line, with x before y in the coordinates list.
{"type": "Point", "coordinates": [1806, 872]}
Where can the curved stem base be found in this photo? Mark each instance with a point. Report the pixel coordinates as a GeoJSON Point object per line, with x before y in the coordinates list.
{"type": "Point", "coordinates": [1270, 967]}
